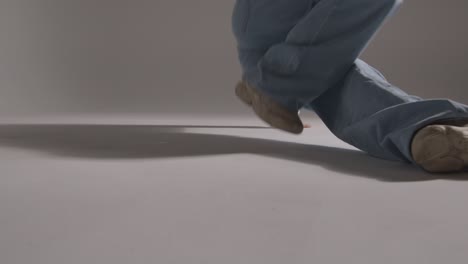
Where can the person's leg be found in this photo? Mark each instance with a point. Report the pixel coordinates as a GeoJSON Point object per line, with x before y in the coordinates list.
{"type": "Point", "coordinates": [310, 61]}
{"type": "Point", "coordinates": [294, 51]}
{"type": "Point", "coordinates": [368, 112]}
{"type": "Point", "coordinates": [259, 25]}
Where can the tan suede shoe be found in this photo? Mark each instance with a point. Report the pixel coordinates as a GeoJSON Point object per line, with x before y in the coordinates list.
{"type": "Point", "coordinates": [268, 110]}
{"type": "Point", "coordinates": [441, 148]}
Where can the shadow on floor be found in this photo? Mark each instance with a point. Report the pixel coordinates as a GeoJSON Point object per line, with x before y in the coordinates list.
{"type": "Point", "coordinates": [153, 142]}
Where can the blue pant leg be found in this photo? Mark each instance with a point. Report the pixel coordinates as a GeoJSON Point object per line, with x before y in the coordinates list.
{"type": "Point", "coordinates": [260, 24]}
{"type": "Point", "coordinates": [321, 48]}
{"type": "Point", "coordinates": [368, 112]}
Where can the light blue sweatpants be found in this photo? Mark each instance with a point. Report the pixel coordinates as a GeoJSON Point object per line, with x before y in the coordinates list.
{"type": "Point", "coordinates": [304, 54]}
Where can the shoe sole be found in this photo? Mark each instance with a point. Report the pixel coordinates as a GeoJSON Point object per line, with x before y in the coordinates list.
{"type": "Point", "coordinates": [441, 148]}
{"type": "Point", "coordinates": [269, 111]}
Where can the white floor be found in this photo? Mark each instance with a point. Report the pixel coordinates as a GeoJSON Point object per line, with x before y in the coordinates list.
{"type": "Point", "coordinates": [173, 191]}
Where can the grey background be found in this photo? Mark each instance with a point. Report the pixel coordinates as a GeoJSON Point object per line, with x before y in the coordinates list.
{"type": "Point", "coordinates": [160, 57]}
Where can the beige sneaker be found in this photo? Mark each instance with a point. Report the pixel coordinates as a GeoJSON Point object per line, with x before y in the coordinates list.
{"type": "Point", "coordinates": [268, 110]}
{"type": "Point", "coordinates": [441, 148]}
